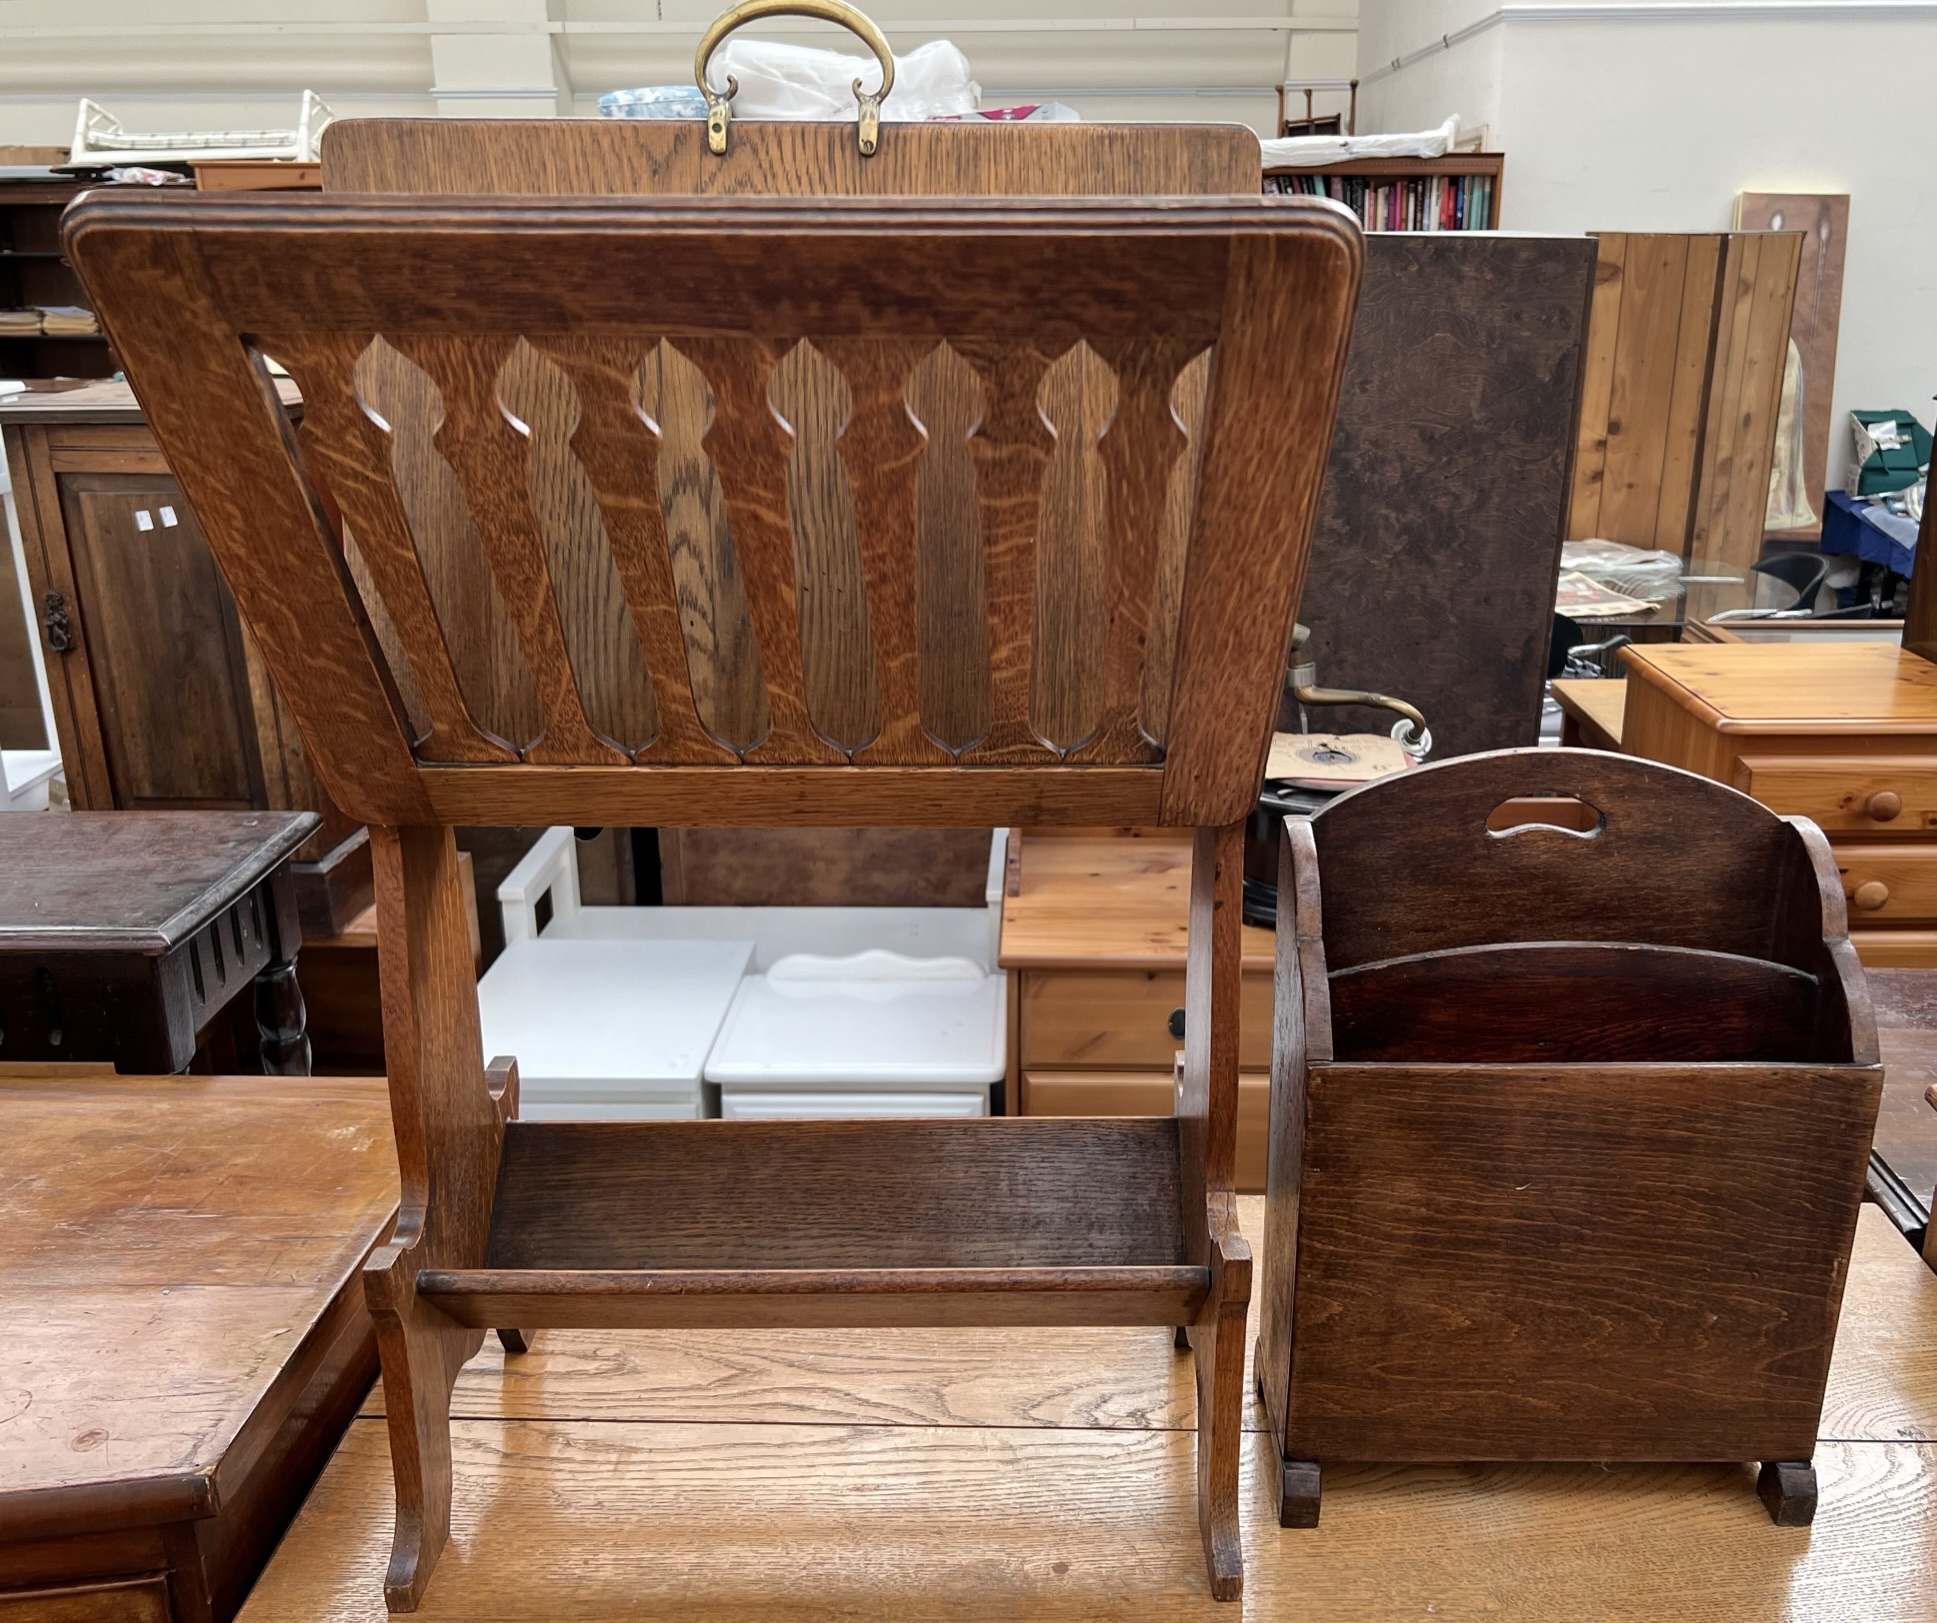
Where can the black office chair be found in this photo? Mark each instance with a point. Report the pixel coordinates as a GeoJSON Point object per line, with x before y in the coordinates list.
{"type": "Point", "coordinates": [1570, 654]}
{"type": "Point", "coordinates": [1805, 572]}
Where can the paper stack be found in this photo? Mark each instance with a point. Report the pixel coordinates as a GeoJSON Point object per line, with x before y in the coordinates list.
{"type": "Point", "coordinates": [15, 323]}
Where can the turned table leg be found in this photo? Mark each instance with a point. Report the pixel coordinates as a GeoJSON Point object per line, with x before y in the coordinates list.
{"type": "Point", "coordinates": [282, 1021]}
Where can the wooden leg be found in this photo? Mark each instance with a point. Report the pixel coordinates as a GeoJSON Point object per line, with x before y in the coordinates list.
{"type": "Point", "coordinates": [1181, 1340]}
{"type": "Point", "coordinates": [1788, 1488]}
{"type": "Point", "coordinates": [450, 1121]}
{"type": "Point", "coordinates": [421, 1352]}
{"type": "Point", "coordinates": [1298, 1487]}
{"type": "Point", "coordinates": [1218, 1341]}
{"type": "Point", "coordinates": [515, 1341]}
{"type": "Point", "coordinates": [281, 1022]}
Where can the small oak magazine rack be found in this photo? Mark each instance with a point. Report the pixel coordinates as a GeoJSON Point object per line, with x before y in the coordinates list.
{"type": "Point", "coordinates": [1572, 1099]}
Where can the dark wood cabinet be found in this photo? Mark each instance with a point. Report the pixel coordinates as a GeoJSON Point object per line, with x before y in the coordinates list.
{"type": "Point", "coordinates": [159, 699]}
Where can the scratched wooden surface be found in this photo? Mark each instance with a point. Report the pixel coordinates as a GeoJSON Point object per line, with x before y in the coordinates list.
{"type": "Point", "coordinates": [153, 1276]}
{"type": "Point", "coordinates": [1029, 1474]}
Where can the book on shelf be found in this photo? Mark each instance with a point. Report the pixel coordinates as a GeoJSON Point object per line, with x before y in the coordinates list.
{"type": "Point", "coordinates": [1399, 203]}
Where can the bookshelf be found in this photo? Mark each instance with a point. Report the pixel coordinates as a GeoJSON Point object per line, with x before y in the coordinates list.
{"type": "Point", "coordinates": [33, 272]}
{"type": "Point", "coordinates": [1380, 189]}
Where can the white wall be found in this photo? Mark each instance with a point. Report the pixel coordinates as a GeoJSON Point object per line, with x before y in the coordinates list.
{"type": "Point", "coordinates": [235, 63]}
{"type": "Point", "coordinates": [1630, 122]}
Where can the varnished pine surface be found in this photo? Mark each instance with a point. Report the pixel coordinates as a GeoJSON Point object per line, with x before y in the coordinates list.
{"type": "Point", "coordinates": [1598, 705]}
{"type": "Point", "coordinates": [168, 1240]}
{"type": "Point", "coordinates": [1107, 899]}
{"type": "Point", "coordinates": [1048, 1474]}
{"type": "Point", "coordinates": [1870, 687]}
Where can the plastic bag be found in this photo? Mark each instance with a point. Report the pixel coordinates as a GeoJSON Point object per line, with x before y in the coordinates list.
{"type": "Point", "coordinates": [797, 81]}
{"type": "Point", "coordinates": [1312, 151]}
{"type": "Point", "coordinates": [1650, 576]}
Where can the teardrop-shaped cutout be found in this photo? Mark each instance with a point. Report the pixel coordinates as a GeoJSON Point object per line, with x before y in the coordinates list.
{"type": "Point", "coordinates": [729, 688]}
{"type": "Point", "coordinates": [1077, 398]}
{"type": "Point", "coordinates": [1188, 397]}
{"type": "Point", "coordinates": [945, 395]}
{"type": "Point", "coordinates": [599, 635]}
{"type": "Point", "coordinates": [836, 648]}
{"type": "Point", "coordinates": [483, 644]}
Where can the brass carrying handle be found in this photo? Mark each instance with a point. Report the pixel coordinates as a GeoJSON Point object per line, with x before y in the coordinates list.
{"type": "Point", "coordinates": [719, 108]}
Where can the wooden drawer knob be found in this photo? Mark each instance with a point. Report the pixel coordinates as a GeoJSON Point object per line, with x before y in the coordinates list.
{"type": "Point", "coordinates": [1871, 894]}
{"type": "Point", "coordinates": [1883, 805]}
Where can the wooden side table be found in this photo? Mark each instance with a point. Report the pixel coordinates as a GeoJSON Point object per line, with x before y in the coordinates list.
{"type": "Point", "coordinates": [1093, 931]}
{"type": "Point", "coordinates": [186, 1336]}
{"type": "Point", "coordinates": [123, 935]}
{"type": "Point", "coordinates": [160, 700]}
{"type": "Point", "coordinates": [1846, 735]}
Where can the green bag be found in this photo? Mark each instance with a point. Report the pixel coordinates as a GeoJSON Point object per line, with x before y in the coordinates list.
{"type": "Point", "coordinates": [1892, 451]}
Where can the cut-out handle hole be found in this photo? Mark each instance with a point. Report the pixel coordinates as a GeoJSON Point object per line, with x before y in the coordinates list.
{"type": "Point", "coordinates": [1546, 814]}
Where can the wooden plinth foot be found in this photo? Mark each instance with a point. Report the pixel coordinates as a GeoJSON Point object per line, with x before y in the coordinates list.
{"type": "Point", "coordinates": [421, 1352]}
{"type": "Point", "coordinates": [515, 1341]}
{"type": "Point", "coordinates": [1298, 1493]}
{"type": "Point", "coordinates": [1788, 1488]}
{"type": "Point", "coordinates": [1217, 1339]}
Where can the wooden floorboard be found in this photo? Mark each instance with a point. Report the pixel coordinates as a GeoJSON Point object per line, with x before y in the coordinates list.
{"type": "Point", "coordinates": [1906, 1029]}
{"type": "Point", "coordinates": [610, 1520]}
{"type": "Point", "coordinates": [1030, 1474]}
{"type": "Point", "coordinates": [1882, 1383]}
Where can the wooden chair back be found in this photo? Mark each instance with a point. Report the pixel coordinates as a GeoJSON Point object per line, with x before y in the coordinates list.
{"type": "Point", "coordinates": [902, 631]}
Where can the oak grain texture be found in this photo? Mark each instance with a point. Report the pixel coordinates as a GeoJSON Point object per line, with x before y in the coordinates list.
{"type": "Point", "coordinates": [1017, 293]}
{"type": "Point", "coordinates": [772, 1195]}
{"type": "Point", "coordinates": [1477, 1252]}
{"type": "Point", "coordinates": [1566, 1309]}
{"type": "Point", "coordinates": [487, 157]}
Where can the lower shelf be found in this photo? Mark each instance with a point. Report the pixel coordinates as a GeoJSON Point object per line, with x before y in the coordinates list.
{"type": "Point", "coordinates": [1001, 1221]}
{"type": "Point", "coordinates": [816, 1298]}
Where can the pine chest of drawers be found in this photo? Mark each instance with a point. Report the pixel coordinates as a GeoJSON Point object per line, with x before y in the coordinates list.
{"type": "Point", "coordinates": [1846, 735]}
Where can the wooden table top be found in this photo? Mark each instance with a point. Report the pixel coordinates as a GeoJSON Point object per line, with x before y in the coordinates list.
{"type": "Point", "coordinates": [929, 1474]}
{"type": "Point", "coordinates": [1595, 700]}
{"type": "Point", "coordinates": [1108, 899]}
{"type": "Point", "coordinates": [167, 1242]}
{"type": "Point", "coordinates": [132, 881]}
{"type": "Point", "coordinates": [1871, 687]}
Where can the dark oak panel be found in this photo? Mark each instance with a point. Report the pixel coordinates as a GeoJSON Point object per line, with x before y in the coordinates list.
{"type": "Point", "coordinates": [1438, 536]}
{"type": "Point", "coordinates": [764, 1195]}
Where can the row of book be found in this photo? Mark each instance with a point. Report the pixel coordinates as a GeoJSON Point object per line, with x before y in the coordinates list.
{"type": "Point", "coordinates": [1417, 203]}
{"type": "Point", "coordinates": [53, 320]}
